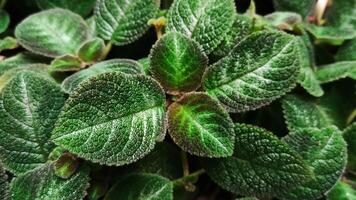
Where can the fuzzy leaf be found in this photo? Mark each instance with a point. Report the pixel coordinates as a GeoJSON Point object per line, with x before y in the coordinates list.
{"type": "Point", "coordinates": [124, 21]}
{"type": "Point", "coordinates": [350, 138]}
{"type": "Point", "coordinates": [66, 63]}
{"type": "Point", "coordinates": [141, 187]}
{"type": "Point", "coordinates": [112, 119]}
{"type": "Point", "coordinates": [82, 7]}
{"type": "Point", "coordinates": [146, 64]}
{"type": "Point", "coordinates": [92, 51]}
{"type": "Point", "coordinates": [329, 34]}
{"type": "Point", "coordinates": [8, 43]}
{"type": "Point", "coordinates": [53, 32]}
{"type": "Point", "coordinates": [4, 20]}
{"type": "Point", "coordinates": [205, 21]}
{"type": "Point", "coordinates": [302, 7]}
{"type": "Point", "coordinates": [116, 65]}
{"type": "Point", "coordinates": [261, 166]}
{"type": "Point", "coordinates": [325, 151]}
{"type": "Point", "coordinates": [335, 71]}
{"type": "Point", "coordinates": [342, 191]}
{"type": "Point", "coordinates": [4, 185]}
{"type": "Point", "coordinates": [200, 126]}
{"type": "Point", "coordinates": [260, 69]}
{"type": "Point", "coordinates": [29, 106]}
{"type": "Point", "coordinates": [42, 183]}
{"type": "Point", "coordinates": [347, 51]}
{"type": "Point", "coordinates": [178, 63]}
{"type": "Point", "coordinates": [18, 61]}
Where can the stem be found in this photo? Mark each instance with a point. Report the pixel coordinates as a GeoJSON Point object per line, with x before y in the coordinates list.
{"type": "Point", "coordinates": [351, 117]}
{"type": "Point", "coordinates": [185, 163]}
{"type": "Point", "coordinates": [159, 25]}
{"type": "Point", "coordinates": [107, 50]}
{"type": "Point", "coordinates": [185, 179]}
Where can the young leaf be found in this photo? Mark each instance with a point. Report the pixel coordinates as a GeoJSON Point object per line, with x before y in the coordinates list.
{"type": "Point", "coordinates": [302, 7]}
{"type": "Point", "coordinates": [8, 43]}
{"type": "Point", "coordinates": [336, 71]}
{"type": "Point", "coordinates": [53, 33]}
{"type": "Point", "coordinates": [66, 63]}
{"type": "Point", "coordinates": [342, 191]}
{"type": "Point", "coordinates": [260, 69]}
{"type": "Point", "coordinates": [92, 51]}
{"type": "Point", "coordinates": [261, 166]}
{"type": "Point", "coordinates": [325, 151]}
{"type": "Point", "coordinates": [4, 185]}
{"type": "Point", "coordinates": [29, 106]}
{"type": "Point", "coordinates": [42, 183]}
{"type": "Point", "coordinates": [284, 20]}
{"type": "Point", "coordinates": [112, 119]}
{"type": "Point", "coordinates": [347, 51]}
{"type": "Point", "coordinates": [4, 20]}
{"type": "Point", "coordinates": [200, 126]}
{"type": "Point", "coordinates": [178, 63]}
{"type": "Point", "coordinates": [82, 7]}
{"type": "Point", "coordinates": [124, 21]}
{"type": "Point", "coordinates": [116, 65]}
{"type": "Point", "coordinates": [350, 137]}
{"type": "Point", "coordinates": [205, 21]}
{"type": "Point", "coordinates": [141, 187]}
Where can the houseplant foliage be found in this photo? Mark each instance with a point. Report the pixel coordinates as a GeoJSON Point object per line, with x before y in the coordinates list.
{"type": "Point", "coordinates": [182, 99]}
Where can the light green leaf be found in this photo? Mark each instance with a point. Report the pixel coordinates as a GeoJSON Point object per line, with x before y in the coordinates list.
{"type": "Point", "coordinates": [329, 34]}
{"type": "Point", "coordinates": [92, 51]}
{"type": "Point", "coordinates": [66, 63]}
{"type": "Point", "coordinates": [92, 25]}
{"type": "Point", "coordinates": [284, 20]}
{"type": "Point", "coordinates": [4, 20]}
{"type": "Point", "coordinates": [53, 33]}
{"type": "Point", "coordinates": [325, 151]}
{"type": "Point", "coordinates": [302, 7]}
{"type": "Point", "coordinates": [8, 43]}
{"type": "Point", "coordinates": [126, 117]}
{"type": "Point", "coordinates": [262, 165]}
{"type": "Point", "coordinates": [141, 187]}
{"type": "Point", "coordinates": [205, 21]}
{"type": "Point", "coordinates": [29, 106]}
{"type": "Point", "coordinates": [116, 65]}
{"type": "Point", "coordinates": [82, 7]}
{"type": "Point", "coordinates": [335, 71]}
{"type": "Point", "coordinates": [146, 64]}
{"type": "Point", "coordinates": [4, 185]}
{"type": "Point", "coordinates": [342, 191]}
{"type": "Point", "coordinates": [260, 69]}
{"type": "Point", "coordinates": [347, 51]}
{"type": "Point", "coordinates": [200, 126]}
{"type": "Point", "coordinates": [41, 183]}
{"type": "Point", "coordinates": [177, 63]}
{"type": "Point", "coordinates": [350, 138]}
{"type": "Point", "coordinates": [124, 21]}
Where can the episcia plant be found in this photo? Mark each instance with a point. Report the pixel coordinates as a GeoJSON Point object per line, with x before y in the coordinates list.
{"type": "Point", "coordinates": [225, 103]}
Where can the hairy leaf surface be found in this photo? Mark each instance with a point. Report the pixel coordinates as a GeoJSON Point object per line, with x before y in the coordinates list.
{"type": "Point", "coordinates": [29, 106]}
{"type": "Point", "coordinates": [200, 126]}
{"type": "Point", "coordinates": [178, 63]}
{"type": "Point", "coordinates": [92, 51]}
{"type": "Point", "coordinates": [66, 63]}
{"type": "Point", "coordinates": [4, 185]}
{"type": "Point", "coordinates": [205, 21]}
{"type": "Point", "coordinates": [112, 119]}
{"type": "Point", "coordinates": [347, 51]}
{"type": "Point", "coordinates": [82, 7]}
{"type": "Point", "coordinates": [260, 69]}
{"type": "Point", "coordinates": [8, 43]}
{"type": "Point", "coordinates": [336, 71]}
{"type": "Point", "coordinates": [18, 61]}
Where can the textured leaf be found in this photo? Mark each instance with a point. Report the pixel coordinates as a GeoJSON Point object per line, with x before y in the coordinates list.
{"type": "Point", "coordinates": [18, 61]}
{"type": "Point", "coordinates": [124, 21]}
{"type": "Point", "coordinates": [350, 138]}
{"type": "Point", "coordinates": [42, 183]}
{"type": "Point", "coordinates": [92, 51]}
{"type": "Point", "coordinates": [302, 7]}
{"type": "Point", "coordinates": [329, 34]}
{"type": "Point", "coordinates": [347, 51]}
{"type": "Point", "coordinates": [53, 33]}
{"type": "Point", "coordinates": [178, 63]}
{"type": "Point", "coordinates": [141, 187]}
{"type": "Point", "coordinates": [29, 106]}
{"type": "Point", "coordinates": [4, 185]}
{"type": "Point", "coordinates": [116, 65]}
{"type": "Point", "coordinates": [146, 64]}
{"type": "Point", "coordinates": [4, 20]}
{"type": "Point", "coordinates": [261, 166]}
{"type": "Point", "coordinates": [325, 151]}
{"type": "Point", "coordinates": [284, 20]}
{"type": "Point", "coordinates": [200, 126]}
{"type": "Point", "coordinates": [260, 69]}
{"type": "Point", "coordinates": [66, 63]}
{"type": "Point", "coordinates": [121, 116]}
{"type": "Point", "coordinates": [8, 43]}
{"type": "Point", "coordinates": [336, 71]}
{"type": "Point", "coordinates": [342, 191]}
{"type": "Point", "coordinates": [205, 21]}
{"type": "Point", "coordinates": [82, 7]}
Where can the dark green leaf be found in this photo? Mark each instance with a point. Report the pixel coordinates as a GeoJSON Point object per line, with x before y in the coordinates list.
{"type": "Point", "coordinates": [92, 51]}
{"type": "Point", "coordinates": [284, 20]}
{"type": "Point", "coordinates": [200, 126]}
{"type": "Point", "coordinates": [8, 43]}
{"type": "Point", "coordinates": [112, 119]}
{"type": "Point", "coordinates": [18, 61]}
{"type": "Point", "coordinates": [262, 68]}
{"type": "Point", "coordinates": [4, 185]}
{"type": "Point", "coordinates": [4, 20]}
{"type": "Point", "coordinates": [116, 65]}
{"type": "Point", "coordinates": [53, 33]}
{"type": "Point", "coordinates": [347, 51]}
{"type": "Point", "coordinates": [42, 183]}
{"type": "Point", "coordinates": [178, 63]}
{"type": "Point", "coordinates": [141, 187]}
{"type": "Point", "coordinates": [302, 7]}
{"type": "Point", "coordinates": [205, 21]}
{"type": "Point", "coordinates": [261, 166]}
{"type": "Point", "coordinates": [82, 7]}
{"type": "Point", "coordinates": [124, 21]}
{"type": "Point", "coordinates": [66, 63]}
{"type": "Point", "coordinates": [342, 191]}
{"type": "Point", "coordinates": [336, 71]}
{"type": "Point", "coordinates": [350, 138]}
{"type": "Point", "coordinates": [29, 106]}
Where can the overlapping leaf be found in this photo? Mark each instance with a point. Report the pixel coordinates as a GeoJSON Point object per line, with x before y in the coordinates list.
{"type": "Point", "coordinates": [82, 7]}
{"type": "Point", "coordinates": [347, 51]}
{"type": "Point", "coordinates": [336, 71]}
{"type": "Point", "coordinates": [302, 7]}
{"type": "Point", "coordinates": [342, 191]}
{"type": "Point", "coordinates": [350, 138]}
{"type": "Point", "coordinates": [4, 185]}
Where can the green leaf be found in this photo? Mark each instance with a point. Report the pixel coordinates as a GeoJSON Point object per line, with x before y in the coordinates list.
{"type": "Point", "coordinates": [347, 51]}
{"type": "Point", "coordinates": [260, 69]}
{"type": "Point", "coordinates": [18, 61]}
{"type": "Point", "coordinates": [146, 64]}
{"type": "Point", "coordinates": [350, 138]}
{"type": "Point", "coordinates": [262, 165]}
{"type": "Point", "coordinates": [92, 51]}
{"type": "Point", "coordinates": [29, 106]}
{"type": "Point", "coordinates": [65, 166]}
{"type": "Point", "coordinates": [328, 34]}
{"type": "Point", "coordinates": [4, 20]}
{"type": "Point", "coordinates": [335, 71]}
{"type": "Point", "coordinates": [66, 63]}
{"type": "Point", "coordinates": [141, 187]}
{"type": "Point", "coordinates": [205, 21]}
{"type": "Point", "coordinates": [200, 126]}
{"type": "Point", "coordinates": [42, 183]}
{"type": "Point", "coordinates": [342, 191]}
{"type": "Point", "coordinates": [53, 33]}
{"type": "Point", "coordinates": [4, 185]}
{"type": "Point", "coordinates": [8, 43]}
{"type": "Point", "coordinates": [284, 20]}
{"type": "Point", "coordinates": [127, 116]}
{"type": "Point", "coordinates": [116, 65]}
{"type": "Point", "coordinates": [325, 151]}
{"type": "Point", "coordinates": [177, 63]}
{"type": "Point", "coordinates": [124, 21]}
{"type": "Point", "coordinates": [302, 7]}
{"type": "Point", "coordinates": [82, 7]}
